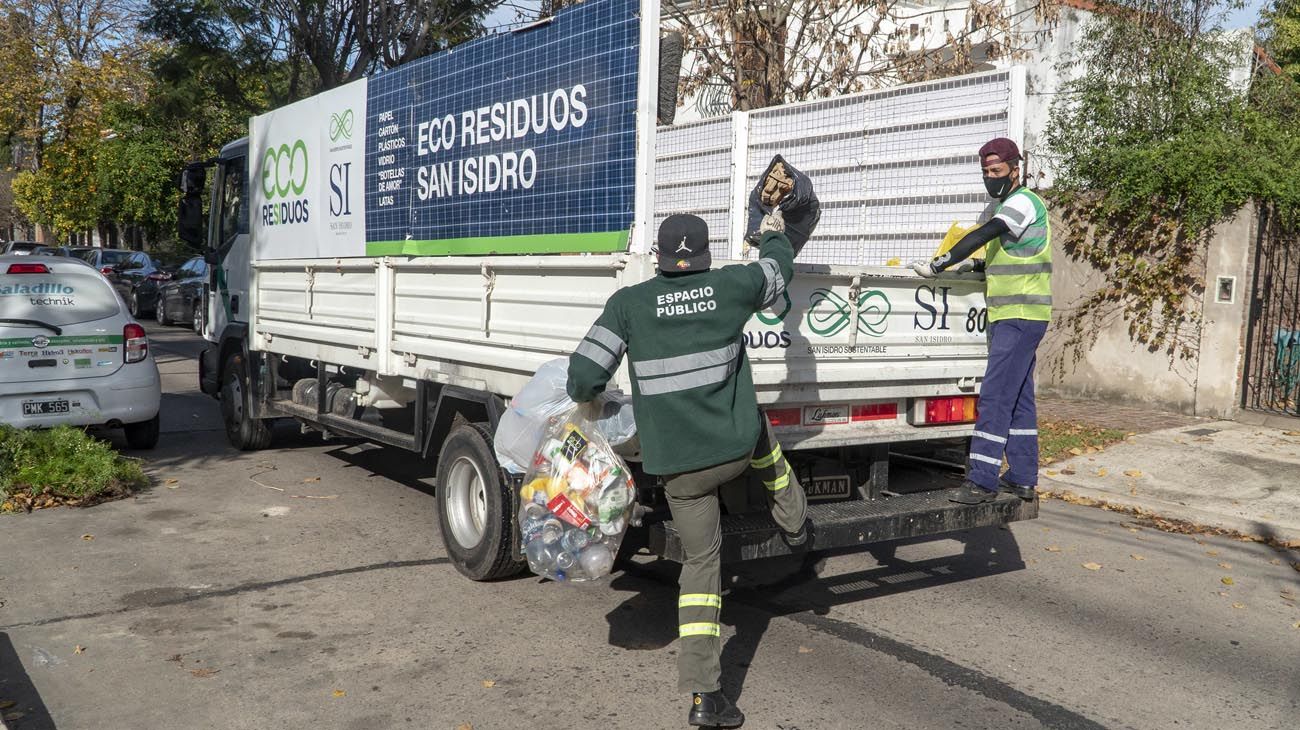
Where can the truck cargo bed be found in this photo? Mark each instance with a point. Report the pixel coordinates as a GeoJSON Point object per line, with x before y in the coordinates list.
{"type": "Point", "coordinates": [850, 524]}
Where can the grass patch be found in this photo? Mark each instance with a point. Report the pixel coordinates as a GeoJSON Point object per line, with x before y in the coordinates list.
{"type": "Point", "coordinates": [1062, 439]}
{"type": "Point", "coordinates": [61, 465]}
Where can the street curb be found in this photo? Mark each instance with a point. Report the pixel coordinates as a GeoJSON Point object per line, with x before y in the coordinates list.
{"type": "Point", "coordinates": [1175, 511]}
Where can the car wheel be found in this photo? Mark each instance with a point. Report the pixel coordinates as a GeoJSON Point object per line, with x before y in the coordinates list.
{"type": "Point", "coordinates": [198, 318]}
{"type": "Point", "coordinates": [143, 435]}
{"type": "Point", "coordinates": [244, 432]}
{"type": "Point", "coordinates": [476, 506]}
{"type": "Point", "coordinates": [133, 304]}
{"type": "Point", "coordinates": [160, 313]}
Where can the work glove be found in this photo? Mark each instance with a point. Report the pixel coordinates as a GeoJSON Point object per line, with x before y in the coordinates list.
{"type": "Point", "coordinates": [774, 221]}
{"type": "Point", "coordinates": [923, 268]}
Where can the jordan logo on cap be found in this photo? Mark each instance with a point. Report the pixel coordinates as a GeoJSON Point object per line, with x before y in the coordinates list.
{"type": "Point", "coordinates": [682, 246]}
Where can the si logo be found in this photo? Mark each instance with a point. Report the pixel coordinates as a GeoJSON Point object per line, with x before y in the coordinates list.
{"type": "Point", "coordinates": [829, 313]}
{"type": "Point", "coordinates": [341, 125]}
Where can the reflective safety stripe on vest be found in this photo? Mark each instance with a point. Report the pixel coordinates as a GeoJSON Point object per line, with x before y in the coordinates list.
{"type": "Point", "coordinates": [684, 372]}
{"type": "Point", "coordinates": [1018, 272]}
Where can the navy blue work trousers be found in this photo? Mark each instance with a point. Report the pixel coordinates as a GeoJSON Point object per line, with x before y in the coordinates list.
{"type": "Point", "coordinates": [1008, 420]}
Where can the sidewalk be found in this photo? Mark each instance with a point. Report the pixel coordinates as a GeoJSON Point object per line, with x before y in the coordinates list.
{"type": "Point", "coordinates": [1225, 474]}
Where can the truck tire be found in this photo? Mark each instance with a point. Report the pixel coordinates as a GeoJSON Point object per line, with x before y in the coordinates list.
{"type": "Point", "coordinates": [142, 435]}
{"type": "Point", "coordinates": [244, 432]}
{"type": "Point", "coordinates": [476, 506]}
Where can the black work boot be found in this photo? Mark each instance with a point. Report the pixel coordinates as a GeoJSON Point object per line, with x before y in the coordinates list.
{"type": "Point", "coordinates": [1022, 491]}
{"type": "Point", "coordinates": [800, 540]}
{"type": "Point", "coordinates": [971, 493]}
{"type": "Point", "coordinates": [713, 709]}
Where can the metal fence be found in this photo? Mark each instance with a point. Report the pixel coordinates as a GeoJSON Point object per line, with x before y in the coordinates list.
{"type": "Point", "coordinates": [893, 168]}
{"type": "Point", "coordinates": [1272, 368]}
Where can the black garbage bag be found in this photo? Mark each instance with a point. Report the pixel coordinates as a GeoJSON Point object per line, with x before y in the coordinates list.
{"type": "Point", "coordinates": [783, 185]}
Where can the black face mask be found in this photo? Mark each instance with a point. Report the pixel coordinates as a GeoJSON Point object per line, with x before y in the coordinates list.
{"type": "Point", "coordinates": [998, 187]}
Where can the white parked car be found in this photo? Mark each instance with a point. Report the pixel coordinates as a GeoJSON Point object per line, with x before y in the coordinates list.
{"type": "Point", "coordinates": [70, 353]}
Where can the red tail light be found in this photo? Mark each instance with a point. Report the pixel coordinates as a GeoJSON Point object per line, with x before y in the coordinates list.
{"type": "Point", "coordinates": [874, 412]}
{"type": "Point", "coordinates": [137, 343]}
{"type": "Point", "coordinates": [952, 409]}
{"type": "Point", "coordinates": [28, 269]}
{"type": "Point", "coordinates": [106, 270]}
{"type": "Point", "coordinates": [785, 416]}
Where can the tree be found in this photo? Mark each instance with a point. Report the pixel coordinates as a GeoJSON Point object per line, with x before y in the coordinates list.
{"type": "Point", "coordinates": [791, 50]}
{"type": "Point", "coordinates": [1153, 145]}
{"type": "Point", "coordinates": [1280, 34]}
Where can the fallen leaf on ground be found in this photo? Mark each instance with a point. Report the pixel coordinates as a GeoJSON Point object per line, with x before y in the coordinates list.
{"type": "Point", "coordinates": [1077, 451]}
{"type": "Point", "coordinates": [1068, 472]}
{"type": "Point", "coordinates": [6, 704]}
{"type": "Point", "coordinates": [79, 649]}
{"type": "Point", "coordinates": [1212, 553]}
{"type": "Point", "coordinates": [1135, 473]}
{"type": "Point", "coordinates": [1091, 450]}
{"type": "Point", "coordinates": [204, 673]}
{"type": "Point", "coordinates": [1291, 433]}
{"type": "Point", "coordinates": [489, 683]}
{"type": "Point", "coordinates": [1238, 605]}
{"type": "Point", "coordinates": [87, 537]}
{"type": "Point", "coordinates": [174, 658]}
{"type": "Point", "coordinates": [1051, 472]}
{"type": "Point", "coordinates": [339, 693]}
{"type": "Point", "coordinates": [1226, 580]}
{"type": "Point", "coordinates": [1102, 472]}
{"type": "Point", "coordinates": [1092, 566]}
{"type": "Point", "coordinates": [464, 726]}
{"type": "Point", "coordinates": [1275, 561]}
{"type": "Point", "coordinates": [170, 481]}
{"type": "Point", "coordinates": [1052, 549]}
{"type": "Point", "coordinates": [1133, 491]}
{"type": "Point", "coordinates": [1296, 625]}
{"type": "Point", "coordinates": [1226, 566]}
{"type": "Point", "coordinates": [15, 716]}
{"type": "Point", "coordinates": [1137, 557]}
{"type": "Point", "coordinates": [309, 480]}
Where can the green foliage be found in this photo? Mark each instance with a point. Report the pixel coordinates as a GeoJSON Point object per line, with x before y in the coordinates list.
{"type": "Point", "coordinates": [63, 462]}
{"type": "Point", "coordinates": [1154, 146]}
{"type": "Point", "coordinates": [1280, 34]}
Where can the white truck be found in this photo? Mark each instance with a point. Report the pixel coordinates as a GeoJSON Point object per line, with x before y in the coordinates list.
{"type": "Point", "coordinates": [393, 259]}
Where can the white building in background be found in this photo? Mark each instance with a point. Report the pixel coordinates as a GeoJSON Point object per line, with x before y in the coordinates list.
{"type": "Point", "coordinates": [1042, 45]}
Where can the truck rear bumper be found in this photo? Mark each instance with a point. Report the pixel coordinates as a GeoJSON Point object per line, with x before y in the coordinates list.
{"type": "Point", "coordinates": [852, 524]}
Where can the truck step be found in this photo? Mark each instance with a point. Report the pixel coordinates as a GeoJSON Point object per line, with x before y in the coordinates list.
{"type": "Point", "coordinates": [344, 426]}
{"type": "Point", "coordinates": [851, 524]}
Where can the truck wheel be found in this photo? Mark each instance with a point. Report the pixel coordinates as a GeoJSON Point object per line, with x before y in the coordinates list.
{"type": "Point", "coordinates": [143, 435]}
{"type": "Point", "coordinates": [476, 506]}
{"type": "Point", "coordinates": [244, 432]}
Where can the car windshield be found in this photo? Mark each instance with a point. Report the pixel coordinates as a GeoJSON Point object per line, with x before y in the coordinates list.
{"type": "Point", "coordinates": [65, 293]}
{"type": "Point", "coordinates": [111, 257]}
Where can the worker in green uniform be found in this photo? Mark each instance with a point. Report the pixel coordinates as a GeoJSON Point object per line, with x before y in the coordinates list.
{"type": "Point", "coordinates": [1018, 278]}
{"type": "Point", "coordinates": [697, 417]}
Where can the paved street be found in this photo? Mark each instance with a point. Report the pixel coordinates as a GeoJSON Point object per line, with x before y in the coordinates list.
{"type": "Point", "coordinates": [306, 587]}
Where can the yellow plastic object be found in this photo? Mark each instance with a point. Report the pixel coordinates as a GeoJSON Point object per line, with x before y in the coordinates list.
{"type": "Point", "coordinates": [894, 262]}
{"type": "Point", "coordinates": [954, 234]}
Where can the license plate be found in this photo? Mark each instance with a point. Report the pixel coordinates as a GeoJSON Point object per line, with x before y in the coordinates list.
{"type": "Point", "coordinates": [45, 407]}
{"type": "Point", "coordinates": [825, 488]}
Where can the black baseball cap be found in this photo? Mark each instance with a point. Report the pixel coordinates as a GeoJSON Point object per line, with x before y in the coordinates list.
{"type": "Point", "coordinates": [684, 244]}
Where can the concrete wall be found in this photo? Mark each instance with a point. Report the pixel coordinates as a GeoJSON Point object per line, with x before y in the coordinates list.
{"type": "Point", "coordinates": [1111, 366]}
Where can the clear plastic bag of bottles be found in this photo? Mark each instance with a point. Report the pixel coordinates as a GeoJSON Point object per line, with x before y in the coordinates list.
{"type": "Point", "coordinates": [575, 502]}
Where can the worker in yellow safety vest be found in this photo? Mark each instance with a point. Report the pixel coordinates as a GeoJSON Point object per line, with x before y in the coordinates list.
{"type": "Point", "coordinates": [1018, 271]}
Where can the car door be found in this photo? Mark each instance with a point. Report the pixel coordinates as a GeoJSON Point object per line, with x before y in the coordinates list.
{"type": "Point", "coordinates": [174, 291]}
{"type": "Point", "coordinates": [133, 272]}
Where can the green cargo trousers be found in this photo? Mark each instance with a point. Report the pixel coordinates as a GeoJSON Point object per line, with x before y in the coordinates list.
{"type": "Point", "coordinates": [693, 499]}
